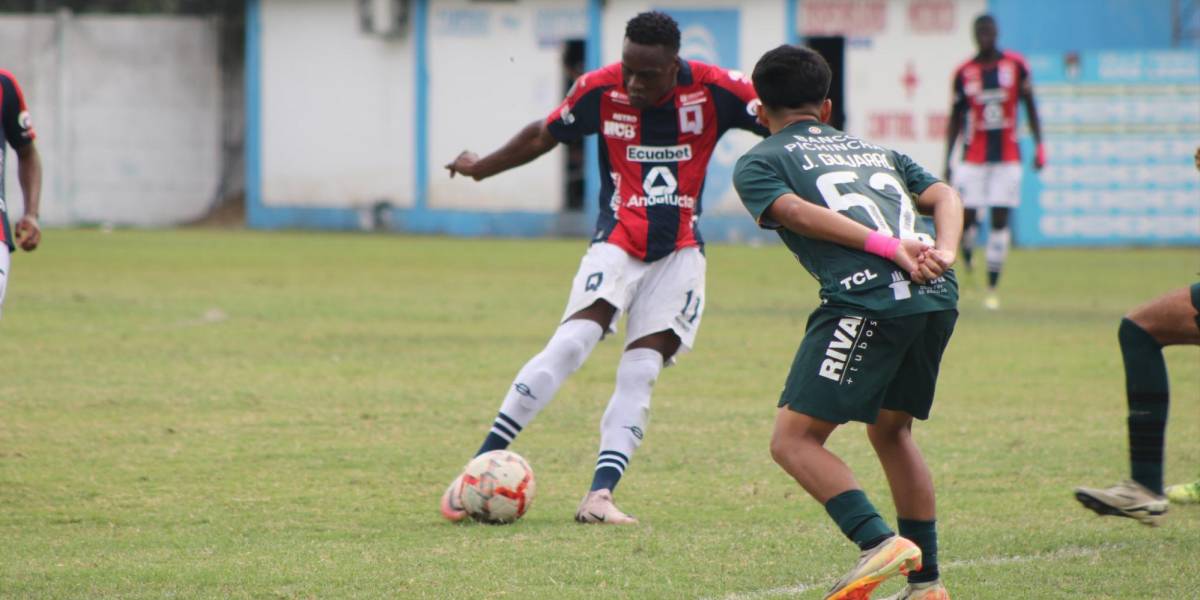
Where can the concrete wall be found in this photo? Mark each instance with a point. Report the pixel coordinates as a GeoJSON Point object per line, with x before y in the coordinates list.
{"type": "Point", "coordinates": [127, 115]}
{"type": "Point", "coordinates": [337, 126]}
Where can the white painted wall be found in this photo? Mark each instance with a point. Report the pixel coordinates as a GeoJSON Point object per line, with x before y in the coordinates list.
{"type": "Point", "coordinates": [127, 114]}
{"type": "Point", "coordinates": [337, 108]}
{"type": "Point", "coordinates": [493, 69]}
{"type": "Point", "coordinates": [888, 43]}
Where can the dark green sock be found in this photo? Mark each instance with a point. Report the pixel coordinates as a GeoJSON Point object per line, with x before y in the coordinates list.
{"type": "Point", "coordinates": [924, 534]}
{"type": "Point", "coordinates": [857, 518]}
{"type": "Point", "coordinates": [1146, 390]}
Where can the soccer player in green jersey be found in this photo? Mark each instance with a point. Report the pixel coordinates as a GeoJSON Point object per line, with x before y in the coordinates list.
{"type": "Point", "coordinates": [871, 351]}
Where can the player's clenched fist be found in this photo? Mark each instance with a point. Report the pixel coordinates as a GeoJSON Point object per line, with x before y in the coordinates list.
{"type": "Point", "coordinates": [464, 164]}
{"type": "Point", "coordinates": [29, 234]}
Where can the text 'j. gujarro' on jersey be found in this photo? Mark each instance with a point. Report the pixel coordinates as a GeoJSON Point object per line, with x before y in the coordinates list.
{"type": "Point", "coordinates": [869, 184]}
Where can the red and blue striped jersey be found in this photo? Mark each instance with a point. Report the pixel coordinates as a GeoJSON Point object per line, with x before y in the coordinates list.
{"type": "Point", "coordinates": [17, 130]}
{"type": "Point", "coordinates": [990, 90]}
{"type": "Point", "coordinates": [653, 161]}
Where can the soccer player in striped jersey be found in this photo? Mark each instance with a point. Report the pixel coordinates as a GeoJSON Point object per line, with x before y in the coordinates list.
{"type": "Point", "coordinates": [986, 91]}
{"type": "Point", "coordinates": [658, 119]}
{"type": "Point", "coordinates": [16, 129]}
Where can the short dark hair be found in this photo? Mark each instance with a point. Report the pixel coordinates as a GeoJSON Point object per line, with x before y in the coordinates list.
{"type": "Point", "coordinates": [791, 77]}
{"type": "Point", "coordinates": [653, 28]}
{"type": "Point", "coordinates": [984, 18]}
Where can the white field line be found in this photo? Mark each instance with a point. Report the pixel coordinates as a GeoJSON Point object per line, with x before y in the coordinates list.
{"type": "Point", "coordinates": [1067, 553]}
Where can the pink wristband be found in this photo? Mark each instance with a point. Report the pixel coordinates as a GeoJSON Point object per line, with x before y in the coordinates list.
{"type": "Point", "coordinates": [882, 245]}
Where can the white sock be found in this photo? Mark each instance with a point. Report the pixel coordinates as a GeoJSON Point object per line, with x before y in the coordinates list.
{"type": "Point", "coordinates": [624, 421]}
{"type": "Point", "coordinates": [997, 252]}
{"type": "Point", "coordinates": [540, 378]}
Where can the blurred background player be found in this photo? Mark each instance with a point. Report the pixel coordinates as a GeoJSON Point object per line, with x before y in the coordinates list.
{"type": "Point", "coordinates": [17, 129]}
{"type": "Point", "coordinates": [986, 90]}
{"type": "Point", "coordinates": [659, 119]}
{"type": "Point", "coordinates": [1186, 493]}
{"type": "Point", "coordinates": [1170, 319]}
{"type": "Point", "coordinates": [871, 351]}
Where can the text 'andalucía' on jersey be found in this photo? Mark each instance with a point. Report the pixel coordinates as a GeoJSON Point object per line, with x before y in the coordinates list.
{"type": "Point", "coordinates": [653, 161]}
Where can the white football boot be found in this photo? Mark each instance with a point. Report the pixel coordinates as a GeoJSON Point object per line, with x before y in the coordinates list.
{"type": "Point", "coordinates": [598, 507]}
{"type": "Point", "coordinates": [1126, 499]}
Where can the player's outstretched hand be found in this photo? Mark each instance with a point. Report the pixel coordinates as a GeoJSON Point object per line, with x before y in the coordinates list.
{"type": "Point", "coordinates": [464, 164]}
{"type": "Point", "coordinates": [29, 234]}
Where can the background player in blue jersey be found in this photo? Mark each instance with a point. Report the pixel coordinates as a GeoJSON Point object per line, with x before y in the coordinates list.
{"type": "Point", "coordinates": [16, 128]}
{"type": "Point", "coordinates": [658, 119]}
{"type": "Point", "coordinates": [872, 349]}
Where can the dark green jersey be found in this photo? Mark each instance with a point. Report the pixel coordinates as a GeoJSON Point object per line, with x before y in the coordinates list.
{"type": "Point", "coordinates": [868, 183]}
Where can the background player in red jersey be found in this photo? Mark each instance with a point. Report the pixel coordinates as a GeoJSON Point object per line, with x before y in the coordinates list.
{"type": "Point", "coordinates": [658, 119]}
{"type": "Point", "coordinates": [17, 129]}
{"type": "Point", "coordinates": [986, 90]}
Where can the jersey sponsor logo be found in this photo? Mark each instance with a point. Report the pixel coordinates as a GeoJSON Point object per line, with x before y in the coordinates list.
{"type": "Point", "coordinates": [25, 122]}
{"type": "Point", "coordinates": [693, 98]}
{"type": "Point", "coordinates": [623, 131]}
{"type": "Point", "coordinates": [645, 154]}
{"type": "Point", "coordinates": [691, 119]}
{"type": "Point", "coordinates": [813, 130]}
{"type": "Point", "coordinates": [625, 118]}
{"type": "Point", "coordinates": [593, 281]}
{"type": "Point", "coordinates": [660, 187]}
{"type": "Point", "coordinates": [618, 97]}
{"type": "Point", "coordinates": [739, 76]}
{"type": "Point", "coordinates": [900, 286]}
{"type": "Point", "coordinates": [837, 353]}
{"type": "Point", "coordinates": [858, 278]}
{"type": "Point", "coordinates": [565, 115]}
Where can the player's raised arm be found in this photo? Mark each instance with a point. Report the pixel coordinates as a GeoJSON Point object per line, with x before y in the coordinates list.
{"type": "Point", "coordinates": [530, 142]}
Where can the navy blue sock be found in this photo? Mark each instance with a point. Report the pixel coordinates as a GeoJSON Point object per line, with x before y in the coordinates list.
{"type": "Point", "coordinates": [504, 431]}
{"type": "Point", "coordinates": [609, 468]}
{"type": "Point", "coordinates": [924, 535]}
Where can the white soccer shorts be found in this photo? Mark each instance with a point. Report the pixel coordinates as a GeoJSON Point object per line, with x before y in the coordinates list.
{"type": "Point", "coordinates": [989, 184]}
{"type": "Point", "coordinates": [5, 263]}
{"type": "Point", "coordinates": [665, 294]}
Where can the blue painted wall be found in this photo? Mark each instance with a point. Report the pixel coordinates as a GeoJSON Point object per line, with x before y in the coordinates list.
{"type": "Point", "coordinates": [1031, 26]}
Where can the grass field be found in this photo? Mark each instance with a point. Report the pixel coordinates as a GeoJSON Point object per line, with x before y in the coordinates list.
{"type": "Point", "coordinates": [211, 414]}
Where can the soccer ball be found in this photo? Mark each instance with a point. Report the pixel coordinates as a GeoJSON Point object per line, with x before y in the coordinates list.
{"type": "Point", "coordinates": [497, 487]}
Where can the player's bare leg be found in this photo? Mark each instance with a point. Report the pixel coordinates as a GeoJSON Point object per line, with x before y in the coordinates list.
{"type": "Point", "coordinates": [1167, 320]}
{"type": "Point", "coordinates": [798, 446]}
{"type": "Point", "coordinates": [912, 493]}
{"type": "Point", "coordinates": [624, 423]}
{"type": "Point", "coordinates": [535, 385]}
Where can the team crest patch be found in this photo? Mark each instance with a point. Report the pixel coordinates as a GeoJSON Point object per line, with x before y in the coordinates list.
{"type": "Point", "coordinates": [814, 129]}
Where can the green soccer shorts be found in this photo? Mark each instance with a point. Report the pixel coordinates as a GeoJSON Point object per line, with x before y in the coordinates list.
{"type": "Point", "coordinates": [850, 365]}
